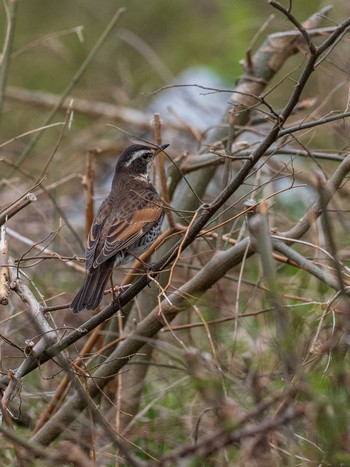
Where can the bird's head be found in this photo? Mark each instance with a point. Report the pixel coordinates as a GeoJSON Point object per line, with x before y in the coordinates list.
{"type": "Point", "coordinates": [137, 159]}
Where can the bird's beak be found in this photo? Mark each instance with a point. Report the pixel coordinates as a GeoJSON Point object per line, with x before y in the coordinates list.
{"type": "Point", "coordinates": [162, 147]}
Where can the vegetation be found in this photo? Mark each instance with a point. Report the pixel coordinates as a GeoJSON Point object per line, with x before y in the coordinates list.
{"type": "Point", "coordinates": [231, 347]}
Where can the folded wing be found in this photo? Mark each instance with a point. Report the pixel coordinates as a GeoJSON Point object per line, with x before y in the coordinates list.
{"type": "Point", "coordinates": [107, 238]}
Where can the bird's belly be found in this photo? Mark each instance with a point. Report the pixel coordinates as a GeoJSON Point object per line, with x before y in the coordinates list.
{"type": "Point", "coordinates": [136, 249]}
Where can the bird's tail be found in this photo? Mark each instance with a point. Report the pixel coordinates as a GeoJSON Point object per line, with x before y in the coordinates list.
{"type": "Point", "coordinates": [91, 292]}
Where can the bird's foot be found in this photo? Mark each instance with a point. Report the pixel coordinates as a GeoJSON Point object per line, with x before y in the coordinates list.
{"type": "Point", "coordinates": [116, 291]}
{"type": "Point", "coordinates": [150, 273]}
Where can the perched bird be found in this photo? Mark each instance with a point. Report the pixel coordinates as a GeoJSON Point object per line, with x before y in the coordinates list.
{"type": "Point", "coordinates": [126, 224]}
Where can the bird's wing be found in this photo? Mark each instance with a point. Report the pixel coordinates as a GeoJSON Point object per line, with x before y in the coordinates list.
{"type": "Point", "coordinates": [93, 240]}
{"type": "Point", "coordinates": [126, 230]}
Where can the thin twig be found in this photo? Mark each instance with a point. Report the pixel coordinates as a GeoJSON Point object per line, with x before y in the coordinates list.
{"type": "Point", "coordinates": [77, 76]}
{"type": "Point", "coordinates": [11, 14]}
{"type": "Point", "coordinates": [16, 207]}
{"type": "Point", "coordinates": [162, 174]}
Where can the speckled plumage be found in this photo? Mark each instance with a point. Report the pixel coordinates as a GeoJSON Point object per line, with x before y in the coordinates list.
{"type": "Point", "coordinates": [126, 224]}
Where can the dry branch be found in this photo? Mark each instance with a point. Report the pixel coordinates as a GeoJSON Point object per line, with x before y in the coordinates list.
{"type": "Point", "coordinates": [258, 71]}
{"type": "Point", "coordinates": [91, 109]}
{"type": "Point", "coordinates": [213, 271]}
{"type": "Point", "coordinates": [49, 335]}
{"type": "Point", "coordinates": [17, 206]}
{"type": "Point", "coordinates": [77, 76]}
{"type": "Point", "coordinates": [4, 269]}
{"type": "Point", "coordinates": [11, 13]}
{"type": "Point", "coordinates": [237, 252]}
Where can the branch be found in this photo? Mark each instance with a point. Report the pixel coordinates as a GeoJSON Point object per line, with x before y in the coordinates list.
{"type": "Point", "coordinates": [237, 252]}
{"type": "Point", "coordinates": [296, 23]}
{"type": "Point", "coordinates": [4, 270]}
{"type": "Point", "coordinates": [331, 187]}
{"type": "Point", "coordinates": [11, 12]}
{"type": "Point", "coordinates": [49, 335]}
{"type": "Point", "coordinates": [196, 162]}
{"type": "Point", "coordinates": [209, 275]}
{"type": "Point", "coordinates": [305, 126]}
{"type": "Point", "coordinates": [214, 443]}
{"type": "Point", "coordinates": [259, 71]}
{"type": "Point", "coordinates": [186, 296]}
{"type": "Point", "coordinates": [89, 108]}
{"type": "Point", "coordinates": [215, 269]}
{"type": "Point", "coordinates": [16, 207]}
{"type": "Point", "coordinates": [308, 266]}
{"type": "Point", "coordinates": [49, 254]}
{"type": "Point", "coordinates": [74, 81]}
{"type": "Point", "coordinates": [259, 231]}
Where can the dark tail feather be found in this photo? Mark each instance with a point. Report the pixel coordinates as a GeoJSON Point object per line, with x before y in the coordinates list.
{"type": "Point", "coordinates": [91, 292]}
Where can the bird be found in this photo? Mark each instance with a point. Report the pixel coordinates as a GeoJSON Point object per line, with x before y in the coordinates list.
{"type": "Point", "coordinates": [126, 224]}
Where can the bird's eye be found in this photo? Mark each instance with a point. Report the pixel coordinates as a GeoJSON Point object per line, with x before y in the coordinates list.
{"type": "Point", "coordinates": [145, 156]}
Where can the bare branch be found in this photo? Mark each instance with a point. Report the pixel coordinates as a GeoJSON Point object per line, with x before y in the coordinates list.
{"type": "Point", "coordinates": [16, 207]}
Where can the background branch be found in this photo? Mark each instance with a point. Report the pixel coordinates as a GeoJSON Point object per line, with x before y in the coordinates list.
{"type": "Point", "coordinates": [252, 357]}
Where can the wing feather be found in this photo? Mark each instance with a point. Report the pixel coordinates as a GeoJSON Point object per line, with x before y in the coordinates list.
{"type": "Point", "coordinates": [123, 232]}
{"type": "Point", "coordinates": [93, 240]}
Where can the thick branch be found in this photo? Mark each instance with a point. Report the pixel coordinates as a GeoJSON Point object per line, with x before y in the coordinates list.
{"type": "Point", "coordinates": [186, 296]}
{"type": "Point", "coordinates": [192, 290]}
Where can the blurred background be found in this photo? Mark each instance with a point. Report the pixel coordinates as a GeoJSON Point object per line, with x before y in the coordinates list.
{"type": "Point", "coordinates": [154, 47]}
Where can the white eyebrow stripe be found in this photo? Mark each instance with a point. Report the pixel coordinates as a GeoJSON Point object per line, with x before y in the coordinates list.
{"type": "Point", "coordinates": [136, 155]}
